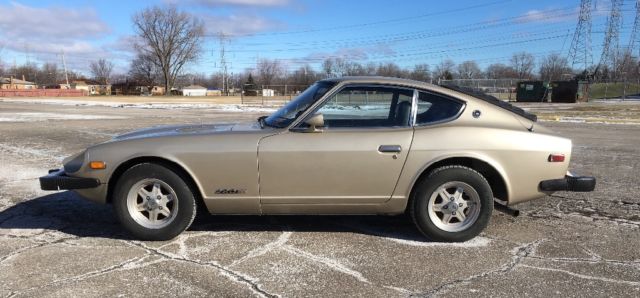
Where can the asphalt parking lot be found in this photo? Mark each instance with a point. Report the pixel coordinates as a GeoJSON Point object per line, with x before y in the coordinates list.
{"type": "Point", "coordinates": [56, 244]}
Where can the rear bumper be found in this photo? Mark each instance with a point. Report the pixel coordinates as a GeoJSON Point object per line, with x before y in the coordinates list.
{"type": "Point", "coordinates": [569, 183]}
{"type": "Point", "coordinates": [58, 180]}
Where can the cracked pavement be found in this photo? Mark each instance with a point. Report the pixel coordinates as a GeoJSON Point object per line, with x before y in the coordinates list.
{"type": "Point", "coordinates": [56, 244]}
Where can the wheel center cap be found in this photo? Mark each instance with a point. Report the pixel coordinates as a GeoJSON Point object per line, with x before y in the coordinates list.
{"type": "Point", "coordinates": [153, 203]}
{"type": "Point", "coordinates": [453, 207]}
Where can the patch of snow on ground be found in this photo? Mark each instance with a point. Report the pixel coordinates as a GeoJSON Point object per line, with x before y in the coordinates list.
{"type": "Point", "coordinates": [588, 121]}
{"type": "Point", "coordinates": [36, 116]}
{"type": "Point", "coordinates": [31, 152]}
{"type": "Point", "coordinates": [17, 179]}
{"type": "Point", "coordinates": [179, 106]}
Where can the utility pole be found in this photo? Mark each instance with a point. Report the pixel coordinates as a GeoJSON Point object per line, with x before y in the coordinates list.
{"type": "Point", "coordinates": [64, 65]}
{"type": "Point", "coordinates": [611, 48]}
{"type": "Point", "coordinates": [223, 61]}
{"type": "Point", "coordinates": [580, 51]}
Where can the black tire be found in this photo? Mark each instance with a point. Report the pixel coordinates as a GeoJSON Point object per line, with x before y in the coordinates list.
{"type": "Point", "coordinates": [184, 197]}
{"type": "Point", "coordinates": [426, 188]}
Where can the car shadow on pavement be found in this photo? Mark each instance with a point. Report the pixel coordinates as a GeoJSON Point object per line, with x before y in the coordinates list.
{"type": "Point", "coordinates": [68, 213]}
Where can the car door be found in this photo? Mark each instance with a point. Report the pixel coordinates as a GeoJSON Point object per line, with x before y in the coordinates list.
{"type": "Point", "coordinates": [356, 158]}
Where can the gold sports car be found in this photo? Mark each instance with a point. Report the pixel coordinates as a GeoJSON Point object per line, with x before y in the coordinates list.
{"type": "Point", "coordinates": [356, 145]}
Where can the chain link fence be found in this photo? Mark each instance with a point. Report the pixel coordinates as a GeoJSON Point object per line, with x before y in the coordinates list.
{"type": "Point", "coordinates": [625, 90]}
{"type": "Point", "coordinates": [504, 89]}
{"type": "Point", "coordinates": [272, 95]}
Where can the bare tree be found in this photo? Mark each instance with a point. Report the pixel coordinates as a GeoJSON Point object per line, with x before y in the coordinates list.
{"type": "Point", "coordinates": [421, 73]}
{"type": "Point", "coordinates": [101, 70]}
{"type": "Point", "coordinates": [523, 64]}
{"type": "Point", "coordinates": [269, 70]}
{"type": "Point", "coordinates": [553, 67]}
{"type": "Point", "coordinates": [144, 70]}
{"type": "Point", "coordinates": [391, 69]}
{"type": "Point", "coordinates": [49, 74]}
{"type": "Point", "coordinates": [172, 38]}
{"type": "Point", "coordinates": [304, 76]}
{"type": "Point", "coordinates": [500, 71]}
{"type": "Point", "coordinates": [444, 70]}
{"type": "Point", "coordinates": [469, 70]}
{"type": "Point", "coordinates": [328, 67]}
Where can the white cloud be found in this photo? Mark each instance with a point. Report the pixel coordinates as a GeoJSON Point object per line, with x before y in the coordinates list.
{"type": "Point", "coordinates": [50, 30]}
{"type": "Point", "coordinates": [235, 24]}
{"type": "Point", "coordinates": [359, 53]}
{"type": "Point", "coordinates": [542, 16]}
{"type": "Point", "coordinates": [42, 33]}
{"type": "Point", "coordinates": [21, 21]}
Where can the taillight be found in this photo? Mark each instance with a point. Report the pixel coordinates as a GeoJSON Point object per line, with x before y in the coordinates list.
{"type": "Point", "coordinates": [556, 158]}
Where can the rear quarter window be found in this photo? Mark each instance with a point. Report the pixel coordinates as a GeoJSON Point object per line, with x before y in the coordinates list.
{"type": "Point", "coordinates": [434, 108]}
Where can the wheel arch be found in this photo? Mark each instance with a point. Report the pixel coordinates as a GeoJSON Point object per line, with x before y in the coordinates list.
{"type": "Point", "coordinates": [171, 165]}
{"type": "Point", "coordinates": [494, 174]}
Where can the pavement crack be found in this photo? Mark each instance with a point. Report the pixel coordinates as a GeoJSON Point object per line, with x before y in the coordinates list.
{"type": "Point", "coordinates": [39, 245]}
{"type": "Point", "coordinates": [519, 253]}
{"type": "Point", "coordinates": [583, 276]}
{"type": "Point", "coordinates": [233, 275]}
{"type": "Point", "coordinates": [588, 261]}
{"type": "Point", "coordinates": [331, 263]}
{"type": "Point", "coordinates": [85, 275]}
{"type": "Point", "coordinates": [279, 242]}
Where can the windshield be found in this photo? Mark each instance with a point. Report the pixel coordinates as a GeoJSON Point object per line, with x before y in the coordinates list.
{"type": "Point", "coordinates": [287, 114]}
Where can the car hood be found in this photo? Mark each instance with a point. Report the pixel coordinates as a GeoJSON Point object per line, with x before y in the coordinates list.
{"type": "Point", "coordinates": [191, 129]}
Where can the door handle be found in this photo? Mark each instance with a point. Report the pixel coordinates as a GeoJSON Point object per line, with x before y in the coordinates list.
{"type": "Point", "coordinates": [389, 149]}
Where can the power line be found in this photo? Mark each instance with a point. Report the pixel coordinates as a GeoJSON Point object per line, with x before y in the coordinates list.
{"type": "Point", "coordinates": [389, 21]}
{"type": "Point", "coordinates": [544, 15]}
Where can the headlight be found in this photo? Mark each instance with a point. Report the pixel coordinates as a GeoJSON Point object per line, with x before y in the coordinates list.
{"type": "Point", "coordinates": [73, 163]}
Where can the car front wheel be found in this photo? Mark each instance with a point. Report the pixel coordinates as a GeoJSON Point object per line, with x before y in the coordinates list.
{"type": "Point", "coordinates": [453, 204]}
{"type": "Point", "coordinates": [153, 203]}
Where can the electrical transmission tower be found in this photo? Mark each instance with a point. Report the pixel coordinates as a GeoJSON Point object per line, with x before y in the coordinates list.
{"type": "Point", "coordinates": [580, 51]}
{"type": "Point", "coordinates": [223, 62]}
{"type": "Point", "coordinates": [633, 39]}
{"type": "Point", "coordinates": [611, 47]}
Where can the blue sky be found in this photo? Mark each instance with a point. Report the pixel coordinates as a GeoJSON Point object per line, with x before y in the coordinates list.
{"type": "Point", "coordinates": [406, 32]}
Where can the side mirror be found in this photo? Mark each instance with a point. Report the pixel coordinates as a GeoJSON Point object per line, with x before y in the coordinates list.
{"type": "Point", "coordinates": [315, 123]}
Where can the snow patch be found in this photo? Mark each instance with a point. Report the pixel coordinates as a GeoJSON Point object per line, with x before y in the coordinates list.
{"type": "Point", "coordinates": [36, 116]}
{"type": "Point", "coordinates": [150, 105]}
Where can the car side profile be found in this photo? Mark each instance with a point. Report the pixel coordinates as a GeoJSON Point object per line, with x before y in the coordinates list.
{"type": "Point", "coordinates": [353, 145]}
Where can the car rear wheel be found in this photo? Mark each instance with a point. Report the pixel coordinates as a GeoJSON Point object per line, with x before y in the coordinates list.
{"type": "Point", "coordinates": [153, 203]}
{"type": "Point", "coordinates": [453, 204]}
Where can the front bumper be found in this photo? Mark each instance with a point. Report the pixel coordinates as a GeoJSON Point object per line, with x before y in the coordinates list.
{"type": "Point", "coordinates": [58, 180]}
{"type": "Point", "coordinates": [569, 183]}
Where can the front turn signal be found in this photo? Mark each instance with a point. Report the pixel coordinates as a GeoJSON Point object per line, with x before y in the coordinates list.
{"type": "Point", "coordinates": [97, 165]}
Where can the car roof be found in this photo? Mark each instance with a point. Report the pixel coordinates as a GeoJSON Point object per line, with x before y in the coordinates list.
{"type": "Point", "coordinates": [394, 81]}
{"type": "Point", "coordinates": [445, 89]}
{"type": "Point", "coordinates": [377, 79]}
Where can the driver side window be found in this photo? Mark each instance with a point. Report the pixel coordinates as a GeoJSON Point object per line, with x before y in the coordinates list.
{"type": "Point", "coordinates": [368, 106]}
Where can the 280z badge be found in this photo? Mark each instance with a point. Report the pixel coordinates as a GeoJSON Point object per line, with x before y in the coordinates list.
{"type": "Point", "coordinates": [230, 191]}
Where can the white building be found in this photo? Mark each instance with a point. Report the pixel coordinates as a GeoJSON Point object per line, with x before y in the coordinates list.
{"type": "Point", "coordinates": [194, 90]}
{"type": "Point", "coordinates": [268, 92]}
